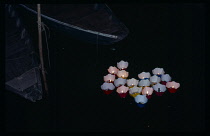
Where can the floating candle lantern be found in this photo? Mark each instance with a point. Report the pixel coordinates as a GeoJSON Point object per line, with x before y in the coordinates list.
{"type": "Point", "coordinates": [135, 91]}
{"type": "Point", "coordinates": [122, 91]}
{"type": "Point", "coordinates": [122, 65]}
{"type": "Point", "coordinates": [154, 80]}
{"type": "Point", "coordinates": [122, 74]}
{"type": "Point", "coordinates": [141, 100]}
{"type": "Point", "coordinates": [172, 86]}
{"type": "Point", "coordinates": [144, 75]}
{"type": "Point", "coordinates": [165, 78]}
{"type": "Point", "coordinates": [158, 71]}
{"type": "Point", "coordinates": [159, 89]}
{"type": "Point", "coordinates": [144, 83]}
{"type": "Point", "coordinates": [109, 78]}
{"type": "Point", "coordinates": [148, 92]}
{"type": "Point", "coordinates": [120, 81]}
{"type": "Point", "coordinates": [113, 70]}
{"type": "Point", "coordinates": [132, 82]}
{"type": "Point", "coordinates": [107, 87]}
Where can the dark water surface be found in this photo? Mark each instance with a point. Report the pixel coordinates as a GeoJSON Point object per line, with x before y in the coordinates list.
{"type": "Point", "coordinates": [161, 35]}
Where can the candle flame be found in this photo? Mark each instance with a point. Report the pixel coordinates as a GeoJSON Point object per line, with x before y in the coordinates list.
{"type": "Point", "coordinates": [147, 92]}
{"type": "Point", "coordinates": [172, 86]}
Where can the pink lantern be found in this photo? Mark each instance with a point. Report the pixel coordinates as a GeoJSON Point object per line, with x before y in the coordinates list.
{"type": "Point", "coordinates": [122, 74]}
{"type": "Point", "coordinates": [147, 91]}
{"type": "Point", "coordinates": [172, 86]}
{"type": "Point", "coordinates": [113, 70]}
{"type": "Point", "coordinates": [109, 78]}
{"type": "Point", "coordinates": [122, 65]}
{"type": "Point", "coordinates": [144, 75]}
{"type": "Point", "coordinates": [122, 91]}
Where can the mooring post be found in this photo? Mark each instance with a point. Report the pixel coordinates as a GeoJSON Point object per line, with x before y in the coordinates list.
{"type": "Point", "coordinates": [40, 47]}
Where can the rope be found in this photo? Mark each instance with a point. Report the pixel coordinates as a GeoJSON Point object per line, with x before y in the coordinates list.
{"type": "Point", "coordinates": [43, 29]}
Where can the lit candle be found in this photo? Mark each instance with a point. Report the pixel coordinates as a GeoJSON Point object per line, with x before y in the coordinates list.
{"type": "Point", "coordinates": [158, 71]}
{"type": "Point", "coordinates": [144, 83]}
{"type": "Point", "coordinates": [120, 81]}
{"type": "Point", "coordinates": [172, 86]}
{"type": "Point", "coordinates": [107, 87]}
{"type": "Point", "coordinates": [165, 78]}
{"type": "Point", "coordinates": [122, 91]}
{"type": "Point", "coordinates": [132, 82]}
{"type": "Point", "coordinates": [159, 89]}
{"type": "Point", "coordinates": [109, 78]}
{"type": "Point", "coordinates": [148, 92]}
{"type": "Point", "coordinates": [122, 65]}
{"type": "Point", "coordinates": [144, 75]}
{"type": "Point", "coordinates": [122, 74]}
{"type": "Point", "coordinates": [113, 70]}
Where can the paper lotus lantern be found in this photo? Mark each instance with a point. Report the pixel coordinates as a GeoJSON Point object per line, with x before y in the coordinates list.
{"type": "Point", "coordinates": [113, 70]}
{"type": "Point", "coordinates": [143, 83]}
{"type": "Point", "coordinates": [122, 91]}
{"type": "Point", "coordinates": [120, 81]}
{"type": "Point", "coordinates": [107, 87]}
{"type": "Point", "coordinates": [109, 78]}
{"type": "Point", "coordinates": [148, 92]}
{"type": "Point", "coordinates": [158, 71]}
{"type": "Point", "coordinates": [122, 74]}
{"type": "Point", "coordinates": [122, 65]}
{"type": "Point", "coordinates": [165, 78]}
{"type": "Point", "coordinates": [141, 99]}
{"type": "Point", "coordinates": [135, 91]}
{"type": "Point", "coordinates": [154, 79]}
{"type": "Point", "coordinates": [159, 89]}
{"type": "Point", "coordinates": [132, 82]}
{"type": "Point", "coordinates": [144, 75]}
{"type": "Point", "coordinates": [172, 86]}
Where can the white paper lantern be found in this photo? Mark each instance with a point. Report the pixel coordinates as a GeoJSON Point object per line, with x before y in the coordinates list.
{"type": "Point", "coordinates": [154, 79]}
{"type": "Point", "coordinates": [132, 82]}
{"type": "Point", "coordinates": [135, 89]}
{"type": "Point", "coordinates": [107, 86]}
{"type": "Point", "coordinates": [158, 71]}
{"type": "Point", "coordinates": [122, 65]}
{"type": "Point", "coordinates": [165, 77]}
{"type": "Point", "coordinates": [144, 75]}
{"type": "Point", "coordinates": [144, 83]}
{"type": "Point", "coordinates": [141, 99]}
{"type": "Point", "coordinates": [119, 82]}
{"type": "Point", "coordinates": [159, 87]}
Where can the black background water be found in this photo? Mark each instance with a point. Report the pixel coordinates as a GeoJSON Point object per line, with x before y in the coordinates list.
{"type": "Point", "coordinates": [170, 36]}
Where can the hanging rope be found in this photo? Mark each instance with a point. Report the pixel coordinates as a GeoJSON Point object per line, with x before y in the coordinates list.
{"type": "Point", "coordinates": [40, 48]}
{"type": "Point", "coordinates": [48, 52]}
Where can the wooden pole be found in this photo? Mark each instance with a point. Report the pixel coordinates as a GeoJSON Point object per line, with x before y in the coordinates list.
{"type": "Point", "coordinates": [40, 48]}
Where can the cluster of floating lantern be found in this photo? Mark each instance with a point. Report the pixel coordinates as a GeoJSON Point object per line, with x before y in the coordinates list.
{"type": "Point", "coordinates": [141, 90]}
